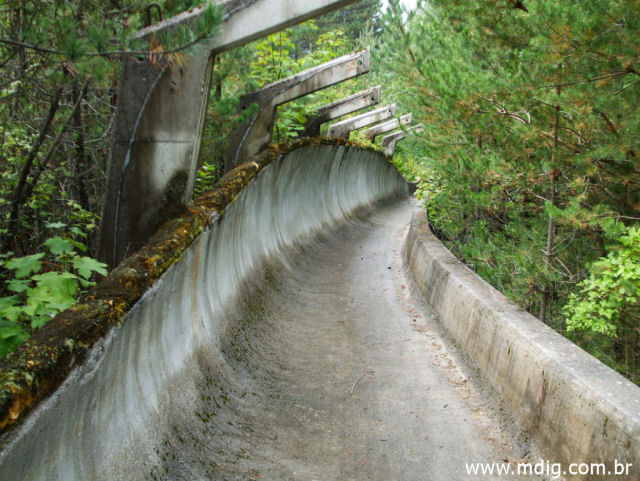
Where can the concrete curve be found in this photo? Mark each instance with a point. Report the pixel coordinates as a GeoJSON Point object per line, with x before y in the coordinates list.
{"type": "Point", "coordinates": [164, 356]}
{"type": "Point", "coordinates": [290, 342]}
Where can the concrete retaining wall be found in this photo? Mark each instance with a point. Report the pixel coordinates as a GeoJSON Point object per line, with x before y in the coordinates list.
{"type": "Point", "coordinates": [116, 417]}
{"type": "Point", "coordinates": [576, 408]}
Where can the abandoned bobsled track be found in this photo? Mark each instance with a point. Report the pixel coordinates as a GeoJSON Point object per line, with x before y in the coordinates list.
{"type": "Point", "coordinates": [289, 341]}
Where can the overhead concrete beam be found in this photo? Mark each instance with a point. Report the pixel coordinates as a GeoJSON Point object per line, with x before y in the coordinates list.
{"type": "Point", "coordinates": [343, 128]}
{"type": "Point", "coordinates": [251, 137]}
{"type": "Point", "coordinates": [389, 141]}
{"type": "Point", "coordinates": [247, 20]}
{"type": "Point", "coordinates": [388, 126]}
{"type": "Point", "coordinates": [341, 107]}
{"type": "Point", "coordinates": [160, 116]}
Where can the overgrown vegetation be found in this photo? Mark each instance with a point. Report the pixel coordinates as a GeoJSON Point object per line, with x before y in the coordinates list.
{"type": "Point", "coordinates": [529, 162]}
{"type": "Point", "coordinates": [43, 284]}
{"type": "Point", "coordinates": [59, 66]}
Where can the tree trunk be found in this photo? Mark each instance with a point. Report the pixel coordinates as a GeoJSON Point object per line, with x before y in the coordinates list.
{"type": "Point", "coordinates": [551, 226]}
{"type": "Point", "coordinates": [79, 165]}
{"type": "Point", "coordinates": [45, 162]}
{"type": "Point", "coordinates": [18, 193]}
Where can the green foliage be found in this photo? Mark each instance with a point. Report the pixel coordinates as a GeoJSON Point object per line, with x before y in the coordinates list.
{"type": "Point", "coordinates": [607, 303]}
{"type": "Point", "coordinates": [57, 96]}
{"type": "Point", "coordinates": [86, 266]}
{"type": "Point", "coordinates": [41, 285]}
{"type": "Point", "coordinates": [24, 266]}
{"type": "Point", "coordinates": [610, 297]}
{"type": "Point", "coordinates": [414, 166]}
{"type": "Point", "coordinates": [281, 55]}
{"type": "Point", "coordinates": [207, 177]}
{"type": "Point", "coordinates": [273, 58]}
{"type": "Point", "coordinates": [354, 20]}
{"type": "Point", "coordinates": [11, 333]}
{"type": "Point", "coordinates": [530, 143]}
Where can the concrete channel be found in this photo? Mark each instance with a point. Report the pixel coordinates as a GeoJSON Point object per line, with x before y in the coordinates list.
{"type": "Point", "coordinates": [289, 343]}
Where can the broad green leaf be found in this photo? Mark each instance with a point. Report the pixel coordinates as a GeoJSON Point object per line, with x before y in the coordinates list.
{"type": "Point", "coordinates": [38, 321]}
{"type": "Point", "coordinates": [58, 245]}
{"type": "Point", "coordinates": [9, 308]}
{"type": "Point", "coordinates": [9, 329]}
{"type": "Point", "coordinates": [79, 245]}
{"type": "Point", "coordinates": [78, 231]}
{"type": "Point", "coordinates": [18, 285]}
{"type": "Point", "coordinates": [9, 301]}
{"type": "Point", "coordinates": [86, 266]}
{"type": "Point", "coordinates": [53, 293]}
{"type": "Point", "coordinates": [11, 336]}
{"type": "Point", "coordinates": [26, 265]}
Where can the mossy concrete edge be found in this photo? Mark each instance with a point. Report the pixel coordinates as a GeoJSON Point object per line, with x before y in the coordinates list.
{"type": "Point", "coordinates": [38, 367]}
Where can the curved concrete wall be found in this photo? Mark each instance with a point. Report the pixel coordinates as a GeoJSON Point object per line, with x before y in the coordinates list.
{"type": "Point", "coordinates": [576, 408]}
{"type": "Point", "coordinates": [115, 417]}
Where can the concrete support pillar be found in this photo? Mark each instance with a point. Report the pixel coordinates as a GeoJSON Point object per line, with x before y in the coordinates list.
{"type": "Point", "coordinates": [343, 128]}
{"type": "Point", "coordinates": [389, 141]}
{"type": "Point", "coordinates": [388, 126]}
{"type": "Point", "coordinates": [160, 116]}
{"type": "Point", "coordinates": [250, 138]}
{"type": "Point", "coordinates": [341, 107]}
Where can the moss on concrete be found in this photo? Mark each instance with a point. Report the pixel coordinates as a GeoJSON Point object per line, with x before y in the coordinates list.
{"type": "Point", "coordinates": [40, 365]}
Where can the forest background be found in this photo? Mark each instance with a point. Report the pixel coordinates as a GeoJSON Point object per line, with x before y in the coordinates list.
{"type": "Point", "coordinates": [528, 165]}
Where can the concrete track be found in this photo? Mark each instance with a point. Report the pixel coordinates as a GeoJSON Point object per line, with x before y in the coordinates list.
{"type": "Point", "coordinates": [287, 344]}
{"type": "Point", "coordinates": [339, 373]}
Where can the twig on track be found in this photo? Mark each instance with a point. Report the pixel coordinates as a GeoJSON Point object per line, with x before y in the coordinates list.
{"type": "Point", "coordinates": [364, 373]}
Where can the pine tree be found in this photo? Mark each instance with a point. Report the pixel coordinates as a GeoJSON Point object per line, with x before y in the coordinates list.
{"type": "Point", "coordinates": [531, 143]}
{"type": "Point", "coordinates": [59, 65]}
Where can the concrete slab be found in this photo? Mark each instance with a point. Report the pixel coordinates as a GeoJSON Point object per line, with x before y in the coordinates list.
{"type": "Point", "coordinates": [389, 142]}
{"type": "Point", "coordinates": [388, 126]}
{"type": "Point", "coordinates": [247, 20]}
{"type": "Point", "coordinates": [341, 107]}
{"type": "Point", "coordinates": [343, 128]}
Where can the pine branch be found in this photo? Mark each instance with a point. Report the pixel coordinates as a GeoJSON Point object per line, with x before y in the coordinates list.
{"type": "Point", "coordinates": [30, 46]}
{"type": "Point", "coordinates": [404, 36]}
{"type": "Point", "coordinates": [593, 79]}
{"type": "Point", "coordinates": [108, 54]}
{"type": "Point", "coordinates": [612, 127]}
